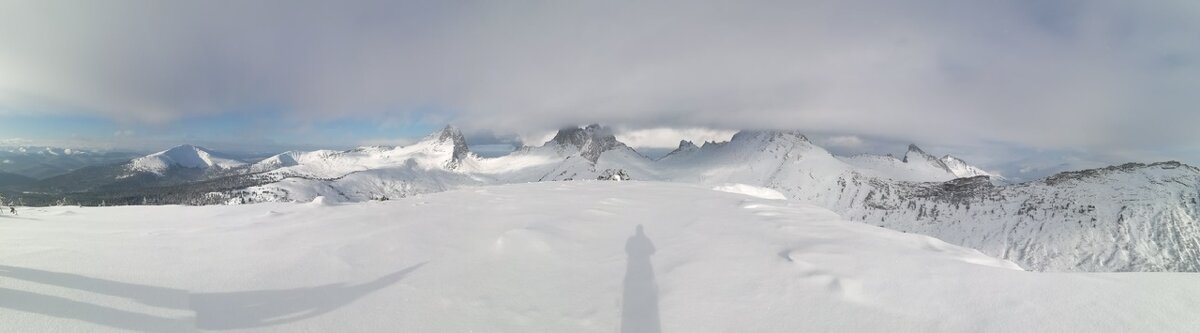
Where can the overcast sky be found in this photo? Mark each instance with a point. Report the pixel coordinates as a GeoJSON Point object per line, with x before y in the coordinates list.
{"type": "Point", "coordinates": [1023, 77]}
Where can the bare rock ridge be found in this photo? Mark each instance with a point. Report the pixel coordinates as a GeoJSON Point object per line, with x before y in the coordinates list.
{"type": "Point", "coordinates": [451, 135]}
{"type": "Point", "coordinates": [916, 155]}
{"type": "Point", "coordinates": [684, 147]}
{"type": "Point", "coordinates": [591, 141]}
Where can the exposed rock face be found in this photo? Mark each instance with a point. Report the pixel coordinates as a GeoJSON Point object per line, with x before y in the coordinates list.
{"type": "Point", "coordinates": [453, 136]}
{"type": "Point", "coordinates": [614, 174]}
{"type": "Point", "coordinates": [916, 155]}
{"type": "Point", "coordinates": [591, 141]}
{"type": "Point", "coordinates": [1132, 217]}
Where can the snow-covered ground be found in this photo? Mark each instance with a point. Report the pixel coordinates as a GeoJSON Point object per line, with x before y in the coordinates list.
{"type": "Point", "coordinates": [543, 257]}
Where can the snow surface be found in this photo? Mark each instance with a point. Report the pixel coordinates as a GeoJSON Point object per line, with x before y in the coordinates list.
{"type": "Point", "coordinates": [543, 257]}
{"type": "Point", "coordinates": [754, 191]}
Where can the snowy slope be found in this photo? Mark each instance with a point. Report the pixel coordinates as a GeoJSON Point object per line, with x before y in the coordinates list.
{"type": "Point", "coordinates": [962, 169]}
{"type": "Point", "coordinates": [544, 257]}
{"type": "Point", "coordinates": [184, 156]}
{"type": "Point", "coordinates": [445, 149]}
{"type": "Point", "coordinates": [1138, 223]}
{"type": "Point", "coordinates": [1133, 217]}
{"type": "Point", "coordinates": [440, 162]}
{"type": "Point", "coordinates": [915, 166]}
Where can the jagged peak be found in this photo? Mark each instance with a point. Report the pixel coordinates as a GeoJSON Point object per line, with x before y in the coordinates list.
{"type": "Point", "coordinates": [577, 136]}
{"type": "Point", "coordinates": [591, 140]}
{"type": "Point", "coordinates": [685, 144]}
{"type": "Point", "coordinates": [448, 134]}
{"type": "Point", "coordinates": [914, 152]}
{"type": "Point", "coordinates": [684, 147]}
{"type": "Point", "coordinates": [453, 136]}
{"type": "Point", "coordinates": [913, 149]}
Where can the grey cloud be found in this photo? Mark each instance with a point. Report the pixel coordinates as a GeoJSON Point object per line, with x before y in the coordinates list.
{"type": "Point", "coordinates": [1035, 73]}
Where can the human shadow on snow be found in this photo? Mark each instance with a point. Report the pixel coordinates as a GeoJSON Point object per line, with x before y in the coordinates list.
{"type": "Point", "coordinates": [212, 311]}
{"type": "Point", "coordinates": [639, 300]}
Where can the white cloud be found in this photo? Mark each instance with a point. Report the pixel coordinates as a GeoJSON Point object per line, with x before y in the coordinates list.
{"type": "Point", "coordinates": [14, 142]}
{"type": "Point", "coordinates": [670, 137]}
{"type": "Point", "coordinates": [1048, 73]}
{"type": "Point", "coordinates": [398, 142]}
{"type": "Point", "coordinates": [845, 141]}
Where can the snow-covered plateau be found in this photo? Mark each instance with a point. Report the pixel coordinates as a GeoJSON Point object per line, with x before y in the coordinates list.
{"type": "Point", "coordinates": [586, 256]}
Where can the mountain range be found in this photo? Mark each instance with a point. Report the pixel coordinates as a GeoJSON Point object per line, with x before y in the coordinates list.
{"type": "Point", "coordinates": [43, 162]}
{"type": "Point", "coordinates": [1132, 217]}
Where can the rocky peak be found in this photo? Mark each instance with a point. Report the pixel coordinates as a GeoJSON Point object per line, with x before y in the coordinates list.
{"type": "Point", "coordinates": [916, 155]}
{"type": "Point", "coordinates": [452, 136]}
{"type": "Point", "coordinates": [685, 147]}
{"type": "Point", "coordinates": [914, 151]}
{"type": "Point", "coordinates": [591, 141]}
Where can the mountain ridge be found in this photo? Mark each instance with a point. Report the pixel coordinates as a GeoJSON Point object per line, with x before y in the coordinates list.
{"type": "Point", "coordinates": [1039, 224]}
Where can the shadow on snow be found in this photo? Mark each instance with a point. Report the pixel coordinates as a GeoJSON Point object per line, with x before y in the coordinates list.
{"type": "Point", "coordinates": [639, 300]}
{"type": "Point", "coordinates": [213, 311]}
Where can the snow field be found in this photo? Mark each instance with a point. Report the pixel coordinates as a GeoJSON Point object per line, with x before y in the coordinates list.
{"type": "Point", "coordinates": [542, 257]}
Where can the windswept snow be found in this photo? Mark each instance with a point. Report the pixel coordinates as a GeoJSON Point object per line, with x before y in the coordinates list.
{"type": "Point", "coordinates": [754, 191]}
{"type": "Point", "coordinates": [543, 257]}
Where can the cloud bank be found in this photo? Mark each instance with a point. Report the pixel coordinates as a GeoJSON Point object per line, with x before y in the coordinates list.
{"type": "Point", "coordinates": [1054, 73]}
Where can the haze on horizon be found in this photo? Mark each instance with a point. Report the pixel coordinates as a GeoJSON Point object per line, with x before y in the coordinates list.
{"type": "Point", "coordinates": [1007, 85]}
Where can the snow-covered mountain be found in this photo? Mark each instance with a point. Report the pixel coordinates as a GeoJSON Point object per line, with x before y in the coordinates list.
{"type": "Point", "coordinates": [1131, 217]}
{"type": "Point", "coordinates": [123, 182]}
{"type": "Point", "coordinates": [183, 156]}
{"type": "Point", "coordinates": [46, 162]}
{"type": "Point", "coordinates": [961, 169]}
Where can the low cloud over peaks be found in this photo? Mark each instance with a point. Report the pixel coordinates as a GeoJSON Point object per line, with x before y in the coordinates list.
{"type": "Point", "coordinates": [1032, 73]}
